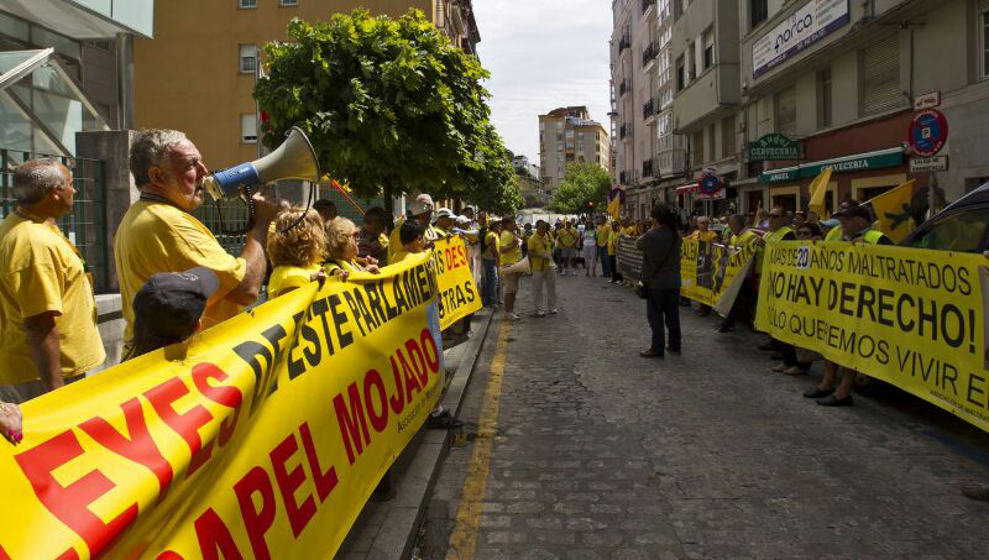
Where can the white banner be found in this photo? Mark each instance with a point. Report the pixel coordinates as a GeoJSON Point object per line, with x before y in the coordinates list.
{"type": "Point", "coordinates": [800, 30]}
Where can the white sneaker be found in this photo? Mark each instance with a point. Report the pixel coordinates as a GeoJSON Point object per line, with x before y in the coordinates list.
{"type": "Point", "coordinates": [554, 311]}
{"type": "Point", "coordinates": [539, 314]}
{"type": "Point", "coordinates": [512, 316]}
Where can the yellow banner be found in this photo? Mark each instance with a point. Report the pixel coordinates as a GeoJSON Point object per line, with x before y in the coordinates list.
{"type": "Point", "coordinates": [458, 293]}
{"type": "Point", "coordinates": [911, 317]}
{"type": "Point", "coordinates": [713, 274]}
{"type": "Point", "coordinates": [260, 438]}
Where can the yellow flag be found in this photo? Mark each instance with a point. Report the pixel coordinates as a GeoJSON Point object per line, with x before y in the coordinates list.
{"type": "Point", "coordinates": [615, 206]}
{"type": "Point", "coordinates": [892, 209]}
{"type": "Point", "coordinates": [818, 188]}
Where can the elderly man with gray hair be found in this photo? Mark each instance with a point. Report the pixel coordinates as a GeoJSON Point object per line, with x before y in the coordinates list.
{"type": "Point", "coordinates": [48, 334]}
{"type": "Point", "coordinates": [159, 234]}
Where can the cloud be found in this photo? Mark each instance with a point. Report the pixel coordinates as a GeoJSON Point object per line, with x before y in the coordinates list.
{"type": "Point", "coordinates": [543, 54]}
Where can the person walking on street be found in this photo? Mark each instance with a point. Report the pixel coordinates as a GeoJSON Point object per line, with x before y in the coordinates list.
{"type": "Point", "coordinates": [510, 249]}
{"type": "Point", "coordinates": [543, 269]}
{"type": "Point", "coordinates": [566, 240]}
{"type": "Point", "coordinates": [589, 244]}
{"type": "Point", "coordinates": [660, 248]}
{"type": "Point", "coordinates": [47, 308]}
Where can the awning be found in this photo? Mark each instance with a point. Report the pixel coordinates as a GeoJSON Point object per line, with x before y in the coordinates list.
{"type": "Point", "coordinates": [878, 159]}
{"type": "Point", "coordinates": [87, 19]}
{"type": "Point", "coordinates": [689, 188]}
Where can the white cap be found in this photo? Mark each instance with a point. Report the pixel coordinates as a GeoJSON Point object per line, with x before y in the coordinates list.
{"type": "Point", "coordinates": [423, 204]}
{"type": "Point", "coordinates": [444, 213]}
{"type": "Point", "coordinates": [462, 220]}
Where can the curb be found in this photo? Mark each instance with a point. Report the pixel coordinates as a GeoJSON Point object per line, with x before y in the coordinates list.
{"type": "Point", "coordinates": [387, 531]}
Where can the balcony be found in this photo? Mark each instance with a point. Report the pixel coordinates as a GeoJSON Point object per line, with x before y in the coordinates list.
{"type": "Point", "coordinates": [646, 4]}
{"type": "Point", "coordinates": [714, 93]}
{"type": "Point", "coordinates": [648, 109]}
{"type": "Point", "coordinates": [623, 44]}
{"type": "Point", "coordinates": [647, 168]}
{"type": "Point", "coordinates": [649, 53]}
{"type": "Point", "coordinates": [625, 130]}
{"type": "Point", "coordinates": [622, 178]}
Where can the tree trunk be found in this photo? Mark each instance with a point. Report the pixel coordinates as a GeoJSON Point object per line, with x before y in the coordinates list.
{"type": "Point", "coordinates": [389, 200]}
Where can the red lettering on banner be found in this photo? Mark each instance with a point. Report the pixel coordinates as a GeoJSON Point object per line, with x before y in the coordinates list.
{"type": "Point", "coordinates": [397, 401]}
{"type": "Point", "coordinates": [410, 378]}
{"type": "Point", "coordinates": [69, 503]}
{"type": "Point", "coordinates": [185, 425]}
{"type": "Point", "coordinates": [227, 395]}
{"type": "Point", "coordinates": [427, 343]}
{"type": "Point", "coordinates": [214, 537]}
{"type": "Point", "coordinates": [325, 481]}
{"type": "Point", "coordinates": [418, 361]}
{"type": "Point", "coordinates": [139, 447]}
{"type": "Point", "coordinates": [372, 380]}
{"type": "Point", "coordinates": [352, 423]}
{"type": "Point", "coordinates": [256, 521]}
{"type": "Point", "coordinates": [299, 515]}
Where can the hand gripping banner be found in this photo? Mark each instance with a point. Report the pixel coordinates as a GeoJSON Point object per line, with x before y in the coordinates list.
{"type": "Point", "coordinates": [259, 438]}
{"type": "Point", "coordinates": [911, 317]}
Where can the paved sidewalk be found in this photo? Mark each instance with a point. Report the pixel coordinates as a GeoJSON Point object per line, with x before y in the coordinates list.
{"type": "Point", "coordinates": [597, 453]}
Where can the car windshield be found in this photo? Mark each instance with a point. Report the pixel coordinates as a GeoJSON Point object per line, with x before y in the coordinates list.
{"type": "Point", "coordinates": [963, 232]}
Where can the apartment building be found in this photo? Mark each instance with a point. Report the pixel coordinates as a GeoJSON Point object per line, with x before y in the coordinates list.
{"type": "Point", "coordinates": [65, 68]}
{"type": "Point", "coordinates": [199, 77]}
{"type": "Point", "coordinates": [533, 191]}
{"type": "Point", "coordinates": [649, 157]}
{"type": "Point", "coordinates": [568, 135]}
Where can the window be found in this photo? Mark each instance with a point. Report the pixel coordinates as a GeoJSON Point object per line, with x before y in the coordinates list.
{"type": "Point", "coordinates": [559, 137]}
{"type": "Point", "coordinates": [698, 145]}
{"type": "Point", "coordinates": [786, 111]}
{"type": "Point", "coordinates": [985, 42]}
{"type": "Point", "coordinates": [728, 148]}
{"type": "Point", "coordinates": [248, 58]}
{"type": "Point", "coordinates": [824, 98]}
{"type": "Point", "coordinates": [288, 2]}
{"type": "Point", "coordinates": [758, 12]}
{"type": "Point", "coordinates": [708, 49]}
{"type": "Point", "coordinates": [248, 129]}
{"type": "Point", "coordinates": [881, 77]}
{"type": "Point", "coordinates": [246, 4]}
{"type": "Point", "coordinates": [681, 74]}
{"type": "Point", "coordinates": [964, 232]}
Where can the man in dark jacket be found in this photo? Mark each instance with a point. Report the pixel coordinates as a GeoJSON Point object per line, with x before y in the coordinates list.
{"type": "Point", "coordinates": [660, 248]}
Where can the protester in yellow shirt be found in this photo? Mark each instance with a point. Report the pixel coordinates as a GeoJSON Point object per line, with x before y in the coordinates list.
{"type": "Point", "coordinates": [511, 253]}
{"type": "Point", "coordinates": [543, 269]}
{"type": "Point", "coordinates": [490, 261]}
{"type": "Point", "coordinates": [411, 237]}
{"type": "Point", "coordinates": [374, 239]}
{"type": "Point", "coordinates": [296, 249]}
{"type": "Point", "coordinates": [566, 242]}
{"type": "Point", "coordinates": [420, 209]}
{"type": "Point", "coordinates": [613, 236]}
{"type": "Point", "coordinates": [603, 232]}
{"type": "Point", "coordinates": [341, 250]}
{"type": "Point", "coordinates": [48, 334]}
{"type": "Point", "coordinates": [158, 233]}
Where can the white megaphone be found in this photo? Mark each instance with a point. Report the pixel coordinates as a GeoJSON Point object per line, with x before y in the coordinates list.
{"type": "Point", "coordinates": [294, 159]}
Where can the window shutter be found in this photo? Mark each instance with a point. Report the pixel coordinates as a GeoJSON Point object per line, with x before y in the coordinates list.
{"type": "Point", "coordinates": [881, 77]}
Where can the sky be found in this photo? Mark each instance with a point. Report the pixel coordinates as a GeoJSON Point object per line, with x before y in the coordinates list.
{"type": "Point", "coordinates": [543, 54]}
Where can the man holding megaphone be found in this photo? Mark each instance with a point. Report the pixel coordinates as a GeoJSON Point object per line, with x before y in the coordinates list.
{"type": "Point", "coordinates": [159, 234]}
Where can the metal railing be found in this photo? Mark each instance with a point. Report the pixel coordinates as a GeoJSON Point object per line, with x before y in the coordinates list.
{"type": "Point", "coordinates": [86, 225]}
{"type": "Point", "coordinates": [647, 168]}
{"type": "Point", "coordinates": [624, 87]}
{"type": "Point", "coordinates": [648, 109]}
{"type": "Point", "coordinates": [624, 130]}
{"type": "Point", "coordinates": [650, 52]}
{"type": "Point", "coordinates": [624, 43]}
{"type": "Point", "coordinates": [629, 259]}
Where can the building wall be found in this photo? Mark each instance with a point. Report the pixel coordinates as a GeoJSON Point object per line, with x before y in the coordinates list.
{"type": "Point", "coordinates": [189, 78]}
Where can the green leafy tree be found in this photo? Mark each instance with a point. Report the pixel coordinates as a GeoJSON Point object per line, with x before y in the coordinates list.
{"type": "Point", "coordinates": [389, 105]}
{"type": "Point", "coordinates": [583, 183]}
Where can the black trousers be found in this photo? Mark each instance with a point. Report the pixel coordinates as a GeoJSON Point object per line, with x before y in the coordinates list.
{"type": "Point", "coordinates": [663, 312]}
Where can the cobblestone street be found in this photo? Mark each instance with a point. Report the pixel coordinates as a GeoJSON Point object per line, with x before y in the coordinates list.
{"type": "Point", "coordinates": [575, 447]}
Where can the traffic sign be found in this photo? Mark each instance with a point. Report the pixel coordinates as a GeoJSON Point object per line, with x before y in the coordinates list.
{"type": "Point", "coordinates": [926, 165]}
{"type": "Point", "coordinates": [928, 132]}
{"type": "Point", "coordinates": [710, 184]}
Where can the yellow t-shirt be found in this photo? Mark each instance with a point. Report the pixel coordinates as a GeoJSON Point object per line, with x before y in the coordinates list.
{"type": "Point", "coordinates": [613, 242]}
{"type": "Point", "coordinates": [350, 266]}
{"type": "Point", "coordinates": [402, 255]}
{"type": "Point", "coordinates": [707, 236]}
{"type": "Point", "coordinates": [604, 234]}
{"type": "Point", "coordinates": [157, 237]}
{"type": "Point", "coordinates": [508, 239]}
{"type": "Point", "coordinates": [566, 238]}
{"type": "Point", "coordinates": [538, 245]}
{"type": "Point", "coordinates": [40, 272]}
{"type": "Point", "coordinates": [492, 244]}
{"type": "Point", "coordinates": [395, 238]}
{"type": "Point", "coordinates": [286, 277]}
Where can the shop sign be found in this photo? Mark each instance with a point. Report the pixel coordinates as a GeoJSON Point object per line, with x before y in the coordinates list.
{"type": "Point", "coordinates": [860, 162]}
{"type": "Point", "coordinates": [927, 101]}
{"type": "Point", "coordinates": [928, 132]}
{"type": "Point", "coordinates": [927, 165]}
{"type": "Point", "coordinates": [774, 147]}
{"type": "Point", "coordinates": [806, 26]}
